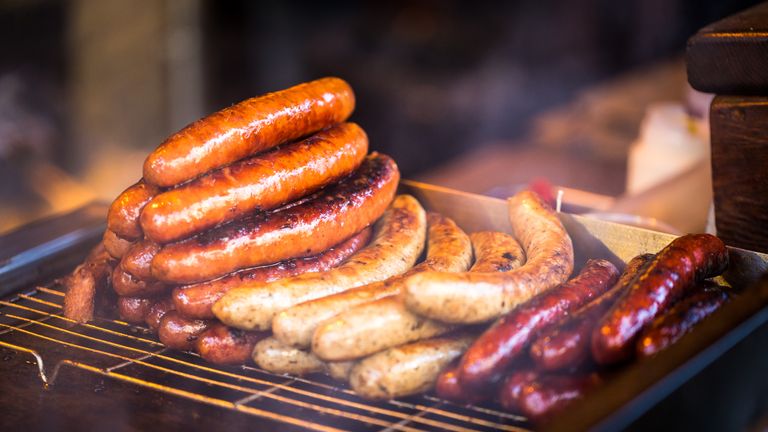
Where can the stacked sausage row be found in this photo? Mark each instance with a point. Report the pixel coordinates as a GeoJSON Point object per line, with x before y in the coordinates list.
{"type": "Point", "coordinates": [274, 186]}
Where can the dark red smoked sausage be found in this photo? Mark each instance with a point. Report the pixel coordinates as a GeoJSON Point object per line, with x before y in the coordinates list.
{"type": "Point", "coordinates": [539, 396]}
{"type": "Point", "coordinates": [180, 333]}
{"type": "Point", "coordinates": [448, 387]}
{"type": "Point", "coordinates": [567, 344]}
{"type": "Point", "coordinates": [156, 312]}
{"type": "Point", "coordinates": [673, 273]}
{"type": "Point", "coordinates": [495, 349]}
{"type": "Point", "coordinates": [298, 231]}
{"type": "Point", "coordinates": [133, 310]}
{"type": "Point", "coordinates": [196, 301]}
{"type": "Point", "coordinates": [226, 345]}
{"type": "Point", "coordinates": [679, 320]}
{"type": "Point", "coordinates": [263, 182]}
{"type": "Point", "coordinates": [249, 127]}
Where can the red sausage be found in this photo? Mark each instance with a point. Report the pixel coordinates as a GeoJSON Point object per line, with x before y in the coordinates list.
{"type": "Point", "coordinates": [263, 182]}
{"type": "Point", "coordinates": [180, 333]}
{"type": "Point", "coordinates": [298, 231]}
{"type": "Point", "coordinates": [138, 258]}
{"type": "Point", "coordinates": [539, 396]}
{"type": "Point", "coordinates": [673, 273]}
{"type": "Point", "coordinates": [226, 345]}
{"type": "Point", "coordinates": [248, 127]}
{"type": "Point", "coordinates": [125, 284]}
{"type": "Point", "coordinates": [679, 320]}
{"type": "Point", "coordinates": [196, 301]}
{"type": "Point", "coordinates": [448, 387]}
{"type": "Point", "coordinates": [123, 214]}
{"type": "Point", "coordinates": [156, 312]}
{"type": "Point", "coordinates": [115, 245]}
{"type": "Point", "coordinates": [133, 309]}
{"type": "Point", "coordinates": [566, 344]}
{"type": "Point", "coordinates": [495, 349]}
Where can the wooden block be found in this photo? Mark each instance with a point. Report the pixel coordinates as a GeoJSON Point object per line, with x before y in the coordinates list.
{"type": "Point", "coordinates": [731, 55]}
{"type": "Point", "coordinates": [739, 127]}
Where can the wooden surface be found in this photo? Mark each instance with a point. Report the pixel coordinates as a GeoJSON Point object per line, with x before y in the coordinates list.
{"type": "Point", "coordinates": [740, 170]}
{"type": "Point", "coordinates": [731, 55]}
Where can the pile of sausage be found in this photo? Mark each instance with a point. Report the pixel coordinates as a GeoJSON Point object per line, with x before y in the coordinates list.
{"type": "Point", "coordinates": [266, 232]}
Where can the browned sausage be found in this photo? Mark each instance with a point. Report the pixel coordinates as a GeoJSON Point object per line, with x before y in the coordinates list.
{"type": "Point", "coordinates": [263, 182]}
{"type": "Point", "coordinates": [196, 301]}
{"type": "Point", "coordinates": [507, 338]}
{"type": "Point", "coordinates": [249, 127]}
{"type": "Point", "coordinates": [680, 319]}
{"type": "Point", "coordinates": [134, 309]}
{"type": "Point", "coordinates": [156, 312]}
{"type": "Point", "coordinates": [674, 272]}
{"type": "Point", "coordinates": [539, 396]}
{"type": "Point", "coordinates": [137, 259]}
{"type": "Point", "coordinates": [115, 245]}
{"type": "Point", "coordinates": [180, 333]}
{"type": "Point", "coordinates": [496, 251]}
{"type": "Point", "coordinates": [448, 387]}
{"type": "Point", "coordinates": [123, 215]}
{"type": "Point", "coordinates": [566, 344]}
{"type": "Point", "coordinates": [479, 297]}
{"type": "Point", "coordinates": [226, 345]}
{"type": "Point", "coordinates": [125, 284]}
{"type": "Point", "coordinates": [299, 231]}
{"type": "Point", "coordinates": [84, 282]}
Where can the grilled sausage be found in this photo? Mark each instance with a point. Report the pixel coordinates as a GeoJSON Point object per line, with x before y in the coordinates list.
{"type": "Point", "coordinates": [196, 301]}
{"type": "Point", "coordinates": [224, 345]}
{"type": "Point", "coordinates": [397, 243]}
{"type": "Point", "coordinates": [156, 312]}
{"type": "Point", "coordinates": [298, 231]}
{"type": "Point", "coordinates": [567, 344]}
{"type": "Point", "coordinates": [480, 297]}
{"type": "Point", "coordinates": [540, 396]}
{"type": "Point", "coordinates": [377, 325]}
{"type": "Point", "coordinates": [507, 338]}
{"type": "Point", "coordinates": [249, 127]}
{"type": "Point", "coordinates": [263, 182]}
{"type": "Point", "coordinates": [125, 284]}
{"type": "Point", "coordinates": [495, 251]}
{"type": "Point", "coordinates": [177, 332]}
{"type": "Point", "coordinates": [137, 259]}
{"type": "Point", "coordinates": [674, 272]}
{"type": "Point", "coordinates": [679, 320]}
{"type": "Point", "coordinates": [115, 245]}
{"type": "Point", "coordinates": [448, 249]}
{"type": "Point", "coordinates": [447, 386]}
{"type": "Point", "coordinates": [340, 370]}
{"type": "Point", "coordinates": [271, 355]}
{"type": "Point", "coordinates": [406, 369]}
{"type": "Point", "coordinates": [123, 214]}
{"type": "Point", "coordinates": [134, 310]}
{"type": "Point", "coordinates": [84, 282]}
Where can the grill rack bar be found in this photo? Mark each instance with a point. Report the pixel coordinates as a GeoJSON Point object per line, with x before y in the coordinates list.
{"type": "Point", "coordinates": [432, 413]}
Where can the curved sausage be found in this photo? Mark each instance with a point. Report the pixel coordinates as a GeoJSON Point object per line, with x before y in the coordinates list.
{"type": "Point", "coordinates": [495, 349]}
{"type": "Point", "coordinates": [156, 312]}
{"type": "Point", "coordinates": [137, 259]}
{"type": "Point", "coordinates": [134, 310]}
{"type": "Point", "coordinates": [125, 284]}
{"type": "Point", "coordinates": [567, 344]}
{"type": "Point", "coordinates": [495, 251]}
{"type": "Point", "coordinates": [271, 355]}
{"type": "Point", "coordinates": [539, 396]}
{"type": "Point", "coordinates": [196, 301]}
{"type": "Point", "coordinates": [679, 320]}
{"type": "Point", "coordinates": [115, 245]}
{"type": "Point", "coordinates": [406, 369]}
{"type": "Point", "coordinates": [479, 297]}
{"type": "Point", "coordinates": [674, 272]}
{"type": "Point", "coordinates": [177, 332]}
{"type": "Point", "coordinates": [448, 249]}
{"type": "Point", "coordinates": [377, 325]}
{"type": "Point", "coordinates": [340, 370]}
{"type": "Point", "coordinates": [83, 284]}
{"type": "Point", "coordinates": [123, 214]}
{"type": "Point", "coordinates": [225, 345]}
{"type": "Point", "coordinates": [397, 243]}
{"type": "Point", "coordinates": [303, 230]}
{"type": "Point", "coordinates": [263, 182]}
{"type": "Point", "coordinates": [249, 127]}
{"type": "Point", "coordinates": [448, 386]}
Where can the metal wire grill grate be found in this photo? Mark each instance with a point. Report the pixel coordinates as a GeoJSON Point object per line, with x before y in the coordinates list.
{"type": "Point", "coordinates": [32, 323]}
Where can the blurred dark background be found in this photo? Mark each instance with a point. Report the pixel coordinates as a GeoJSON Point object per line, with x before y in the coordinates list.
{"type": "Point", "coordinates": [88, 87]}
